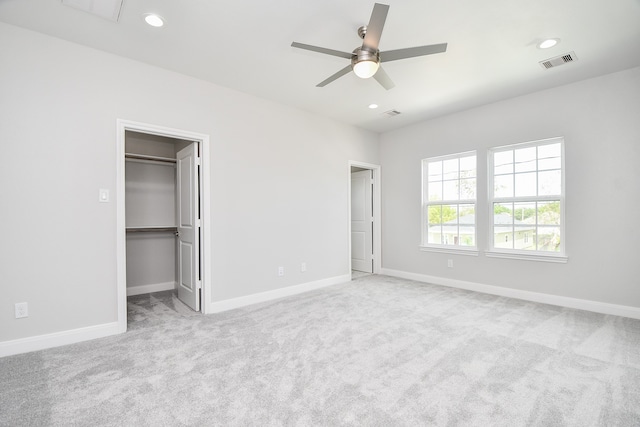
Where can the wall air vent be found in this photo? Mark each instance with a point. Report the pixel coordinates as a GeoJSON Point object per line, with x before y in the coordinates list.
{"type": "Point", "coordinates": [108, 9]}
{"type": "Point", "coordinates": [559, 60]}
{"type": "Point", "coordinates": [391, 113]}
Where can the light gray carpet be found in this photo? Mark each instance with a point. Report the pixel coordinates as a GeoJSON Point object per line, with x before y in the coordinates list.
{"type": "Point", "coordinates": [376, 351]}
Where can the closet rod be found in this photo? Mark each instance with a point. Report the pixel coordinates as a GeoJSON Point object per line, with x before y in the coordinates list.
{"type": "Point", "coordinates": [151, 229]}
{"type": "Point", "coordinates": [151, 158]}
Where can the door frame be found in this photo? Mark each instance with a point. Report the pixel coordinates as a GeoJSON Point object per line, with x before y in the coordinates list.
{"type": "Point", "coordinates": [377, 209]}
{"type": "Point", "coordinates": [121, 241]}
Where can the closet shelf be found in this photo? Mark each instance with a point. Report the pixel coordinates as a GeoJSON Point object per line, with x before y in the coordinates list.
{"type": "Point", "coordinates": [151, 229]}
{"type": "Point", "coordinates": [133, 156]}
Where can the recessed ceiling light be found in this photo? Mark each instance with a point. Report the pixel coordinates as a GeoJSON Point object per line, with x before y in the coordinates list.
{"type": "Point", "coordinates": [373, 106]}
{"type": "Point", "coordinates": [546, 44]}
{"type": "Point", "coordinates": [154, 20]}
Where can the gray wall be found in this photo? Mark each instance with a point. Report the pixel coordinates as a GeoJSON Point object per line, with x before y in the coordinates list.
{"type": "Point", "coordinates": [279, 180]}
{"type": "Point", "coordinates": [600, 120]}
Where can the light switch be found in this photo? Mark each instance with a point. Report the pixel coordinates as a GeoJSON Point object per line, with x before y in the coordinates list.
{"type": "Point", "coordinates": [103, 195]}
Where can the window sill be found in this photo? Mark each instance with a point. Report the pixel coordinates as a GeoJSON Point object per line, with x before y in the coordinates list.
{"type": "Point", "coordinates": [562, 259]}
{"type": "Point", "coordinates": [450, 250]}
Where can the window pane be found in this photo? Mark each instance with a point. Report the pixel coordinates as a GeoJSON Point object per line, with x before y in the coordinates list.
{"type": "Point", "coordinates": [468, 167]}
{"type": "Point", "coordinates": [468, 188]}
{"type": "Point", "coordinates": [549, 157]}
{"type": "Point", "coordinates": [525, 184]}
{"type": "Point", "coordinates": [467, 235]}
{"type": "Point", "coordinates": [503, 162]}
{"type": "Point", "coordinates": [525, 159]}
{"type": "Point", "coordinates": [467, 214]}
{"type": "Point", "coordinates": [434, 214]}
{"type": "Point", "coordinates": [502, 213]}
{"type": "Point", "coordinates": [549, 213]}
{"type": "Point", "coordinates": [435, 191]}
{"type": "Point", "coordinates": [450, 169]}
{"type": "Point", "coordinates": [550, 163]}
{"type": "Point", "coordinates": [435, 234]}
{"type": "Point", "coordinates": [524, 237]}
{"type": "Point", "coordinates": [524, 213]}
{"type": "Point", "coordinates": [503, 237]}
{"type": "Point", "coordinates": [435, 171]}
{"type": "Point", "coordinates": [450, 190]}
{"type": "Point", "coordinates": [503, 186]}
{"type": "Point", "coordinates": [548, 239]}
{"type": "Point", "coordinates": [550, 183]}
{"type": "Point", "coordinates": [549, 150]}
{"type": "Point", "coordinates": [450, 214]}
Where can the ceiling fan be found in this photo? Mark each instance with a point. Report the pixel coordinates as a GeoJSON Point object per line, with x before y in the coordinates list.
{"type": "Point", "coordinates": [366, 59]}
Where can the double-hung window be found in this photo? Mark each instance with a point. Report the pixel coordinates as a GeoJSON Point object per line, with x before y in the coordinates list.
{"type": "Point", "coordinates": [526, 200]}
{"type": "Point", "coordinates": [449, 202]}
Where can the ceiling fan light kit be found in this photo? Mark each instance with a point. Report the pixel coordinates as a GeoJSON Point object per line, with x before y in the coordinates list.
{"type": "Point", "coordinates": [366, 59]}
{"type": "Point", "coordinates": [365, 63]}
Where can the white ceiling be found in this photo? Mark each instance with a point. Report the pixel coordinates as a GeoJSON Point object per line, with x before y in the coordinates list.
{"type": "Point", "coordinates": [245, 45]}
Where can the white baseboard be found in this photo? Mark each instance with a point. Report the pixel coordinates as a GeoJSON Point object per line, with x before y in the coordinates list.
{"type": "Point", "coordinates": [147, 289]}
{"type": "Point", "coordinates": [580, 304]}
{"type": "Point", "coordinates": [230, 304]}
{"type": "Point", "coordinates": [57, 339]}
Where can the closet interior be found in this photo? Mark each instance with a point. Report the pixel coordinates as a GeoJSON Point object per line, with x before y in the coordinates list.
{"type": "Point", "coordinates": [150, 209]}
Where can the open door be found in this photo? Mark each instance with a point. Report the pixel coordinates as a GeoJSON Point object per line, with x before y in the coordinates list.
{"type": "Point", "coordinates": [361, 222]}
{"type": "Point", "coordinates": [188, 226]}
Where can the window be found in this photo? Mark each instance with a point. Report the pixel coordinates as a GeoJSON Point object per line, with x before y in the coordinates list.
{"type": "Point", "coordinates": [526, 198]}
{"type": "Point", "coordinates": [449, 202]}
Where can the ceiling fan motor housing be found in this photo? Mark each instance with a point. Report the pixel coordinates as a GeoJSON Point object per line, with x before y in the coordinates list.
{"type": "Point", "coordinates": [363, 54]}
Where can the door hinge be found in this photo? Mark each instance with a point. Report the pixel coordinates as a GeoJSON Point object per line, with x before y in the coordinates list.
{"type": "Point", "coordinates": [198, 223]}
{"type": "Point", "coordinates": [198, 162]}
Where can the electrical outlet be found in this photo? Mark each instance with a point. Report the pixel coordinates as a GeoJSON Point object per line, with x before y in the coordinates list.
{"type": "Point", "coordinates": [303, 267]}
{"type": "Point", "coordinates": [450, 263]}
{"type": "Point", "coordinates": [22, 310]}
{"type": "Point", "coordinates": [280, 271]}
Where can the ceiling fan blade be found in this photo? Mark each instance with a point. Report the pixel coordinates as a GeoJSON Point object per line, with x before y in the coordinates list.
{"type": "Point", "coordinates": [383, 78]}
{"type": "Point", "coordinates": [322, 50]}
{"type": "Point", "coordinates": [376, 23]}
{"type": "Point", "coordinates": [410, 52]}
{"type": "Point", "coordinates": [336, 76]}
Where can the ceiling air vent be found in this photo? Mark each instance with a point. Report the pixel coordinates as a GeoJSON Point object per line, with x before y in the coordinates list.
{"type": "Point", "coordinates": [559, 60]}
{"type": "Point", "coordinates": [391, 113]}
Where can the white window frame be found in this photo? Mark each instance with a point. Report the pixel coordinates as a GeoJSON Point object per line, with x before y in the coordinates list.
{"type": "Point", "coordinates": [444, 248]}
{"type": "Point", "coordinates": [535, 255]}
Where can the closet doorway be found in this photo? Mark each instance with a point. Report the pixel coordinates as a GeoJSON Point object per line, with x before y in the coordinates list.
{"type": "Point", "coordinates": [365, 232]}
{"type": "Point", "coordinates": [161, 210]}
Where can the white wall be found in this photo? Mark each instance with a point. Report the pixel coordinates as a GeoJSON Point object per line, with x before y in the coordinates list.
{"type": "Point", "coordinates": [600, 120]}
{"type": "Point", "coordinates": [279, 180]}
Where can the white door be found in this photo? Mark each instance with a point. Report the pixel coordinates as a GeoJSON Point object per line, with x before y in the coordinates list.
{"type": "Point", "coordinates": [361, 222]}
{"type": "Point", "coordinates": [188, 227]}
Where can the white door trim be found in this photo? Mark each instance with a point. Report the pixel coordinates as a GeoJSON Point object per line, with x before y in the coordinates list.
{"type": "Point", "coordinates": [377, 216]}
{"type": "Point", "coordinates": [121, 268]}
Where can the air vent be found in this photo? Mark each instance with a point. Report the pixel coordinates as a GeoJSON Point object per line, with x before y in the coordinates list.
{"type": "Point", "coordinates": [108, 9]}
{"type": "Point", "coordinates": [391, 113]}
{"type": "Point", "coordinates": [559, 60]}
